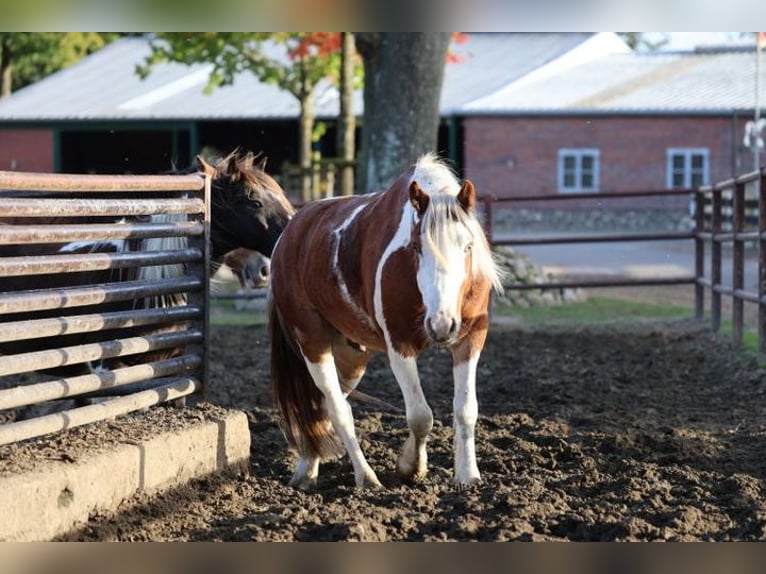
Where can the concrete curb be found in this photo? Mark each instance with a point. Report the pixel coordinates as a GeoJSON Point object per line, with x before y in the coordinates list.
{"type": "Point", "coordinates": [51, 500]}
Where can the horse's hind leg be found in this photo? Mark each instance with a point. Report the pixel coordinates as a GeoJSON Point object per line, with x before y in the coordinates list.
{"type": "Point", "coordinates": [325, 376]}
{"type": "Point", "coordinates": [413, 462]}
{"type": "Point", "coordinates": [351, 362]}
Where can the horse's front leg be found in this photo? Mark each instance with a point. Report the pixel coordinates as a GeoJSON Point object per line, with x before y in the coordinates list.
{"type": "Point", "coordinates": [413, 462]}
{"type": "Point", "coordinates": [465, 414]}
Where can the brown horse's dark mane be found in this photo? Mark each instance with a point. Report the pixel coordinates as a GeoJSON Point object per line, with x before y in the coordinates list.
{"type": "Point", "coordinates": [250, 169]}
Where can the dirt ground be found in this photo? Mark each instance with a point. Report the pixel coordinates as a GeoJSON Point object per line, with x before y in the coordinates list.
{"type": "Point", "coordinates": [619, 432]}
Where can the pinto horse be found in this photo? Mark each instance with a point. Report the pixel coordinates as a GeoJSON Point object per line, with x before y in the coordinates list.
{"type": "Point", "coordinates": [248, 210]}
{"type": "Point", "coordinates": [396, 272]}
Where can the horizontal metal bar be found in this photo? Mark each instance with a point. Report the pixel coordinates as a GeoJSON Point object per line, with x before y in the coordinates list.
{"type": "Point", "coordinates": [250, 294]}
{"type": "Point", "coordinates": [684, 280]}
{"type": "Point", "coordinates": [746, 295]}
{"type": "Point", "coordinates": [73, 324]}
{"type": "Point", "coordinates": [722, 289]}
{"type": "Point", "coordinates": [749, 296]}
{"type": "Point", "coordinates": [51, 358]}
{"type": "Point", "coordinates": [54, 233]}
{"type": "Point", "coordinates": [81, 262]}
{"type": "Point", "coordinates": [175, 388]}
{"type": "Point", "coordinates": [596, 195]}
{"type": "Point", "coordinates": [598, 238]}
{"type": "Point", "coordinates": [725, 185]}
{"type": "Point", "coordinates": [92, 182]}
{"type": "Point", "coordinates": [728, 237]}
{"type": "Point", "coordinates": [45, 299]}
{"type": "Point", "coordinates": [95, 382]}
{"type": "Point", "coordinates": [34, 207]}
{"type": "Point", "coordinates": [749, 177]}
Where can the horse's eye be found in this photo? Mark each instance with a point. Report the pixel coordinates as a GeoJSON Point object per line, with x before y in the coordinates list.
{"type": "Point", "coordinates": [418, 248]}
{"type": "Point", "coordinates": [257, 203]}
{"type": "Point", "coordinates": [469, 248]}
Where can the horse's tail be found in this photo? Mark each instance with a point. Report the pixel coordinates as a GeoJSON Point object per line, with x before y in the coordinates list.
{"type": "Point", "coordinates": [298, 400]}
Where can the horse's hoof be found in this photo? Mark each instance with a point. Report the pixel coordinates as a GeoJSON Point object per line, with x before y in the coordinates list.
{"type": "Point", "coordinates": [411, 474]}
{"type": "Point", "coordinates": [466, 484]}
{"type": "Point", "coordinates": [368, 483]}
{"type": "Point", "coordinates": [303, 483]}
{"type": "Point", "coordinates": [411, 470]}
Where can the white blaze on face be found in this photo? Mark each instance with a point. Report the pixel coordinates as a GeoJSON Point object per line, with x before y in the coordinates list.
{"type": "Point", "coordinates": [442, 271]}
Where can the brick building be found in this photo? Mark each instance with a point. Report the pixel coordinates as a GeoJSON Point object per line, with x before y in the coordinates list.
{"type": "Point", "coordinates": [618, 123]}
{"type": "Point", "coordinates": [534, 113]}
{"type": "Point", "coordinates": [99, 116]}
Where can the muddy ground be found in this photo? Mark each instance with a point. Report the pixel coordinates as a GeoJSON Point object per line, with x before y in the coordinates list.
{"type": "Point", "coordinates": [640, 432]}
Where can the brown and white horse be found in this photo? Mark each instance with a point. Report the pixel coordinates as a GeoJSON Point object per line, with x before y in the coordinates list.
{"type": "Point", "coordinates": [394, 272]}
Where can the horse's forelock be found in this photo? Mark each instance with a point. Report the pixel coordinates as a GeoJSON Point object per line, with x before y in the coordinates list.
{"type": "Point", "coordinates": [440, 223]}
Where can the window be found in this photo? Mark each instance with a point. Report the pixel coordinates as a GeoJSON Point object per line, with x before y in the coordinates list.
{"type": "Point", "coordinates": [688, 167]}
{"type": "Point", "coordinates": [578, 170]}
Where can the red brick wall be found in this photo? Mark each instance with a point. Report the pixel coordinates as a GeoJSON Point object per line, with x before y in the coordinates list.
{"type": "Point", "coordinates": [518, 156]}
{"type": "Point", "coordinates": [26, 150]}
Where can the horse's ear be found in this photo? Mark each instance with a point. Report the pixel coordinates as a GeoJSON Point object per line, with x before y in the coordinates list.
{"type": "Point", "coordinates": [205, 167]}
{"type": "Point", "coordinates": [262, 163]}
{"type": "Point", "coordinates": [466, 197]}
{"type": "Point", "coordinates": [418, 198]}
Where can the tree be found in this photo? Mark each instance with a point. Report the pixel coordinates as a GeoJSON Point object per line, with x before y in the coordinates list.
{"type": "Point", "coordinates": [26, 57]}
{"type": "Point", "coordinates": [305, 60]}
{"type": "Point", "coordinates": [403, 74]}
{"type": "Point", "coordinates": [650, 41]}
{"type": "Point", "coordinates": [346, 142]}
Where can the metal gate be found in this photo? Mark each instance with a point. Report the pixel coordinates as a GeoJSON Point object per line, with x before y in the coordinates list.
{"type": "Point", "coordinates": [95, 203]}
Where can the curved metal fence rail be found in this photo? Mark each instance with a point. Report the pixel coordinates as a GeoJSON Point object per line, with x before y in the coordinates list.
{"type": "Point", "coordinates": [730, 212]}
{"type": "Point", "coordinates": [62, 315]}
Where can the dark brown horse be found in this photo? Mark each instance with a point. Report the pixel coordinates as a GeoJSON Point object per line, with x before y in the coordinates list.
{"type": "Point", "coordinates": [248, 210]}
{"type": "Point", "coordinates": [393, 272]}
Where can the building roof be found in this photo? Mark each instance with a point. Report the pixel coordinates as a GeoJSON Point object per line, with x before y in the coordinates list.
{"type": "Point", "coordinates": [104, 86]}
{"type": "Point", "coordinates": [702, 82]}
{"type": "Point", "coordinates": [488, 62]}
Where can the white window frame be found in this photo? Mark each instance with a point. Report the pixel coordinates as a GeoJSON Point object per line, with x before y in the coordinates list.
{"type": "Point", "coordinates": [579, 154]}
{"type": "Point", "coordinates": [687, 153]}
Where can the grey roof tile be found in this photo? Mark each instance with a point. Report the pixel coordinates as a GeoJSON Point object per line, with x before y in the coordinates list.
{"type": "Point", "coordinates": [679, 82]}
{"type": "Point", "coordinates": [104, 86]}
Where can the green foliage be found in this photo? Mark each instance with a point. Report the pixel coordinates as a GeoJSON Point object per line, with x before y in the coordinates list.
{"type": "Point", "coordinates": [30, 56]}
{"type": "Point", "coordinates": [294, 61]}
{"type": "Point", "coordinates": [650, 41]}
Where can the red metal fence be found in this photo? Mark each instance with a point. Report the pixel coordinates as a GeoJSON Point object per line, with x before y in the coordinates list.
{"type": "Point", "coordinates": [718, 220]}
{"type": "Point", "coordinates": [90, 198]}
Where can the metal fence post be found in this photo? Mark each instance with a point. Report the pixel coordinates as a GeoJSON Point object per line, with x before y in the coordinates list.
{"type": "Point", "coordinates": [762, 264]}
{"type": "Point", "coordinates": [699, 254]}
{"type": "Point", "coordinates": [715, 264]}
{"type": "Point", "coordinates": [738, 267]}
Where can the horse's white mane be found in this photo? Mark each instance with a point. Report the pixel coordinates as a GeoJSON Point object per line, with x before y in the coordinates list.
{"type": "Point", "coordinates": [435, 177]}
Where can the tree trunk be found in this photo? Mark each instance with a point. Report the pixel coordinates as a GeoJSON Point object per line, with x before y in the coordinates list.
{"type": "Point", "coordinates": [6, 68]}
{"type": "Point", "coordinates": [305, 133]}
{"type": "Point", "coordinates": [346, 119]}
{"type": "Point", "coordinates": [402, 87]}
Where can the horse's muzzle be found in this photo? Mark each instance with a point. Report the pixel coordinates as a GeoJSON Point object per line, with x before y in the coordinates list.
{"type": "Point", "coordinates": [441, 328]}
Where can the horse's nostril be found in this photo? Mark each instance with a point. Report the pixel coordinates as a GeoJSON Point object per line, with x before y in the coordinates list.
{"type": "Point", "coordinates": [453, 327]}
{"type": "Point", "coordinates": [265, 272]}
